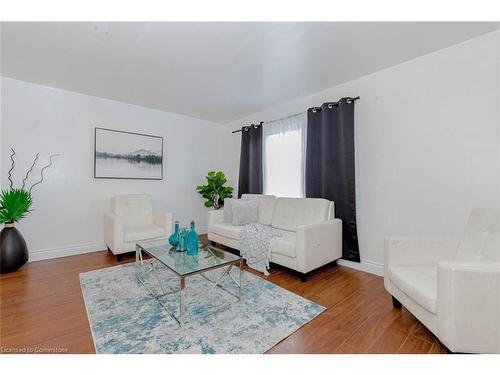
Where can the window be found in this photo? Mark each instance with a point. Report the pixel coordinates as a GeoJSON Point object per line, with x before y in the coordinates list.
{"type": "Point", "coordinates": [284, 156]}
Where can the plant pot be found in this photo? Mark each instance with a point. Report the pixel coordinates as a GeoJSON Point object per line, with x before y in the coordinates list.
{"type": "Point", "coordinates": [13, 249]}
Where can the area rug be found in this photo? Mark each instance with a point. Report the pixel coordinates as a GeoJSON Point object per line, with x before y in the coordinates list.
{"type": "Point", "coordinates": [125, 318]}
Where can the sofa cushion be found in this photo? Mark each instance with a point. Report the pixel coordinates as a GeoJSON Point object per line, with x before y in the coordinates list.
{"type": "Point", "coordinates": [227, 230]}
{"type": "Point", "coordinates": [266, 206]}
{"type": "Point", "coordinates": [284, 245]}
{"type": "Point", "coordinates": [419, 283]}
{"type": "Point", "coordinates": [289, 213]}
{"type": "Point", "coordinates": [135, 209]}
{"type": "Point", "coordinates": [142, 232]}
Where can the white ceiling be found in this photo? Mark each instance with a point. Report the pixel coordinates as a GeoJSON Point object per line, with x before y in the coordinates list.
{"type": "Point", "coordinates": [214, 71]}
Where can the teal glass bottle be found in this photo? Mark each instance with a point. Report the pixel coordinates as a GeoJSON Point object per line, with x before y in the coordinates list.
{"type": "Point", "coordinates": [192, 241]}
{"type": "Point", "coordinates": [182, 246]}
{"type": "Point", "coordinates": [174, 237]}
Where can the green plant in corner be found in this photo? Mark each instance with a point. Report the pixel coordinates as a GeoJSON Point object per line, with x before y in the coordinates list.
{"type": "Point", "coordinates": [214, 191]}
{"type": "Point", "coordinates": [14, 205]}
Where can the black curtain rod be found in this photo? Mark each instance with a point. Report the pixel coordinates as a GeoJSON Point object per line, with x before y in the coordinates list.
{"type": "Point", "coordinates": [248, 127]}
{"type": "Point", "coordinates": [333, 104]}
{"type": "Point", "coordinates": [260, 124]}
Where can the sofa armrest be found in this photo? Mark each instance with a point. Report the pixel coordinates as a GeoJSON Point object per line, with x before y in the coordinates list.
{"type": "Point", "coordinates": [419, 251]}
{"type": "Point", "coordinates": [113, 231]}
{"type": "Point", "coordinates": [468, 306]}
{"type": "Point", "coordinates": [214, 217]}
{"type": "Point", "coordinates": [163, 219]}
{"type": "Point", "coordinates": [318, 244]}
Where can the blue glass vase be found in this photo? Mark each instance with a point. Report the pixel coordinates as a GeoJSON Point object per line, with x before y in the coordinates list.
{"type": "Point", "coordinates": [192, 241]}
{"type": "Point", "coordinates": [174, 237]}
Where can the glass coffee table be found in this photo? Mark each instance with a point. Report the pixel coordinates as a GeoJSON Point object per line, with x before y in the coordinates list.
{"type": "Point", "coordinates": [166, 258]}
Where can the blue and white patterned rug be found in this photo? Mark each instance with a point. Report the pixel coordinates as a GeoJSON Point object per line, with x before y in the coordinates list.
{"type": "Point", "coordinates": [125, 318]}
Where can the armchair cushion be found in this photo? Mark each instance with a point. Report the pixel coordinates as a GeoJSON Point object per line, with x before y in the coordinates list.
{"type": "Point", "coordinates": [142, 232]}
{"type": "Point", "coordinates": [491, 251]}
{"type": "Point", "coordinates": [135, 209]}
{"type": "Point", "coordinates": [477, 246]}
{"type": "Point", "coordinates": [420, 283]}
{"type": "Point", "coordinates": [481, 240]}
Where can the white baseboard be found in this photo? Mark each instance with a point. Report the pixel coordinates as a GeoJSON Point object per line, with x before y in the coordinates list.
{"type": "Point", "coordinates": [82, 248]}
{"type": "Point", "coordinates": [365, 266]}
{"type": "Point", "coordinates": [64, 251]}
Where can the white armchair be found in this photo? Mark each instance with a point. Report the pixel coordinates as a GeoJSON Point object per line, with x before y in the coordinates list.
{"type": "Point", "coordinates": [132, 219]}
{"type": "Point", "coordinates": [452, 285]}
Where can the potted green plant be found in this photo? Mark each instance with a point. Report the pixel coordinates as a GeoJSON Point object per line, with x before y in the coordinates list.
{"type": "Point", "coordinates": [214, 191]}
{"type": "Point", "coordinates": [15, 204]}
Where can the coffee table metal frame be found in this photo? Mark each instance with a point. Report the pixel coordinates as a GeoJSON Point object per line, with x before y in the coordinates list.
{"type": "Point", "coordinates": [141, 265]}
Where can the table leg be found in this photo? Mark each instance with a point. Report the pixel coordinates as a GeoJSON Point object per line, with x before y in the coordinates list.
{"type": "Point", "coordinates": [137, 257]}
{"type": "Point", "coordinates": [138, 254]}
{"type": "Point", "coordinates": [241, 278]}
{"type": "Point", "coordinates": [182, 300]}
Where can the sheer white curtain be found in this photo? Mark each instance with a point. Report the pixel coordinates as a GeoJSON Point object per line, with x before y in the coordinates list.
{"type": "Point", "coordinates": [283, 156]}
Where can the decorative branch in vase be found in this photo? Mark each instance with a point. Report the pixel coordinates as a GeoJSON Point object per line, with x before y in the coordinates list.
{"type": "Point", "coordinates": [15, 204]}
{"type": "Point", "coordinates": [214, 191]}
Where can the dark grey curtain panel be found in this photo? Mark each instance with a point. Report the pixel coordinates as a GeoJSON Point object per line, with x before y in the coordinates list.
{"type": "Point", "coordinates": [250, 161]}
{"type": "Point", "coordinates": [330, 165]}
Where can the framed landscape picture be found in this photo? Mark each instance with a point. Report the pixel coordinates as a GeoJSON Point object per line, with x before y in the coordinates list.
{"type": "Point", "coordinates": [126, 155]}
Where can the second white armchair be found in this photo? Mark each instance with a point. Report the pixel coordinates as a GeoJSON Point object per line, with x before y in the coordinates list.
{"type": "Point", "coordinates": [132, 219]}
{"type": "Point", "coordinates": [452, 285]}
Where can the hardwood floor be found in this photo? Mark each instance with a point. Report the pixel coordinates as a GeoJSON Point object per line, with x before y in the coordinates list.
{"type": "Point", "coordinates": [41, 308]}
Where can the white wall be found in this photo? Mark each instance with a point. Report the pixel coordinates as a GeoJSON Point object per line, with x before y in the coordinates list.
{"type": "Point", "coordinates": [68, 206]}
{"type": "Point", "coordinates": [427, 141]}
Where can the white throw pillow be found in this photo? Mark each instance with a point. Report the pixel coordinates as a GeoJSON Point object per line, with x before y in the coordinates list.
{"type": "Point", "coordinates": [228, 210]}
{"type": "Point", "coordinates": [491, 250]}
{"type": "Point", "coordinates": [245, 212]}
{"type": "Point", "coordinates": [470, 246]}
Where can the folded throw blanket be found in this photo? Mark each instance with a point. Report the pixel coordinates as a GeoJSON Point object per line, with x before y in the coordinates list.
{"type": "Point", "coordinates": [254, 241]}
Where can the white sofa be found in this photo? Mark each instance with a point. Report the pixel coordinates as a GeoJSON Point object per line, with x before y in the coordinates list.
{"type": "Point", "coordinates": [132, 219]}
{"type": "Point", "coordinates": [452, 285]}
{"type": "Point", "coordinates": [312, 236]}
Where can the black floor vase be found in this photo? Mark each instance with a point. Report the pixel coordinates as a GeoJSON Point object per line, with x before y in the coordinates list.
{"type": "Point", "coordinates": [13, 249]}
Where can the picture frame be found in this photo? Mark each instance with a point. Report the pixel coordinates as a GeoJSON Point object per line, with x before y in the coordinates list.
{"type": "Point", "coordinates": [127, 155]}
